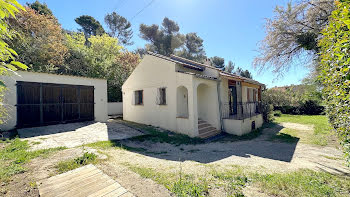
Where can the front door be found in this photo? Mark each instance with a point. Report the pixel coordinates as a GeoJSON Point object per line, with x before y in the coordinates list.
{"type": "Point", "coordinates": [233, 100]}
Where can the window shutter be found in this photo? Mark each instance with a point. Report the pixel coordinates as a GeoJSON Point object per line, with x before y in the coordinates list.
{"type": "Point", "coordinates": [133, 98]}
{"type": "Point", "coordinates": [158, 96]}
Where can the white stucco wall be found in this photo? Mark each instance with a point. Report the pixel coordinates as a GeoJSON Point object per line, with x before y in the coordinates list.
{"type": "Point", "coordinates": [10, 100]}
{"type": "Point", "coordinates": [152, 73]}
{"type": "Point", "coordinates": [241, 127]}
{"type": "Point", "coordinates": [115, 108]}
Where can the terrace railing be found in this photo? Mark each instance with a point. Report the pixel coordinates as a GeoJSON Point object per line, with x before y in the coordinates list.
{"type": "Point", "coordinates": [240, 111]}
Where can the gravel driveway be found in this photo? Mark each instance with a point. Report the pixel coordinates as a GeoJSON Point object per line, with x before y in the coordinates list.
{"type": "Point", "coordinates": [75, 134]}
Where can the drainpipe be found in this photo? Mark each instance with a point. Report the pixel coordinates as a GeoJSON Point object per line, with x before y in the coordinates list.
{"type": "Point", "coordinates": [219, 98]}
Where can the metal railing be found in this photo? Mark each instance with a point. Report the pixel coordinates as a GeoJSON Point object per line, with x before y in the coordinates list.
{"type": "Point", "coordinates": [241, 110]}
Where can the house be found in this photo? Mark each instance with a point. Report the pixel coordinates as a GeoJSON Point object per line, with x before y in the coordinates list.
{"type": "Point", "coordinates": [191, 98]}
{"type": "Point", "coordinates": [37, 99]}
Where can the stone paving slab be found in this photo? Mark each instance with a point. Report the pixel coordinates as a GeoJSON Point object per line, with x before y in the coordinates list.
{"type": "Point", "coordinates": [84, 181]}
{"type": "Point", "coordinates": [75, 134]}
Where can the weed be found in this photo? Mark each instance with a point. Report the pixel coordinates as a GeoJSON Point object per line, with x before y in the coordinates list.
{"type": "Point", "coordinates": [15, 154]}
{"type": "Point", "coordinates": [303, 183]}
{"type": "Point", "coordinates": [72, 164]}
{"type": "Point", "coordinates": [33, 184]}
{"type": "Point", "coordinates": [185, 185]}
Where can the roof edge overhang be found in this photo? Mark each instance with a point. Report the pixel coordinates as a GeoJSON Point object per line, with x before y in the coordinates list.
{"type": "Point", "coordinates": [241, 79]}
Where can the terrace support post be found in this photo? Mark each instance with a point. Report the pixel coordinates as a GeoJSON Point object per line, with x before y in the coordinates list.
{"type": "Point", "coordinates": [239, 100]}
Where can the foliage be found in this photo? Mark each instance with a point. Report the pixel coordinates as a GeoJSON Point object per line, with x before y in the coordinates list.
{"type": "Point", "coordinates": [119, 27]}
{"type": "Point", "coordinates": [90, 26]}
{"type": "Point", "coordinates": [230, 67]}
{"type": "Point", "coordinates": [218, 62]}
{"type": "Point", "coordinates": [244, 73]}
{"type": "Point", "coordinates": [293, 33]}
{"type": "Point", "coordinates": [296, 99]}
{"type": "Point", "coordinates": [164, 40]}
{"type": "Point", "coordinates": [39, 41]}
{"type": "Point", "coordinates": [102, 58]}
{"type": "Point", "coordinates": [267, 107]}
{"type": "Point", "coordinates": [335, 72]}
{"type": "Point", "coordinates": [65, 166]}
{"type": "Point", "coordinates": [15, 154]}
{"type": "Point", "coordinates": [193, 48]}
{"type": "Point", "coordinates": [40, 8]}
{"type": "Point", "coordinates": [8, 8]}
{"type": "Point", "coordinates": [122, 67]}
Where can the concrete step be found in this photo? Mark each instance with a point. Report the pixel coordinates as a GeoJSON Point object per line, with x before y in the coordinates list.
{"type": "Point", "coordinates": [206, 129]}
{"type": "Point", "coordinates": [201, 121]}
{"type": "Point", "coordinates": [209, 134]}
{"type": "Point", "coordinates": [203, 125]}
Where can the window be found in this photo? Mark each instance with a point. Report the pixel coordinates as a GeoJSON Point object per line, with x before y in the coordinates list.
{"type": "Point", "coordinates": [161, 96]}
{"type": "Point", "coordinates": [250, 95]}
{"type": "Point", "coordinates": [139, 97]}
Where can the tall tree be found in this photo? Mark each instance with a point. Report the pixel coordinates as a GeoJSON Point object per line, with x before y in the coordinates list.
{"type": "Point", "coordinates": [230, 67]}
{"type": "Point", "coordinates": [243, 73]}
{"type": "Point", "coordinates": [193, 48]}
{"type": "Point", "coordinates": [90, 26]}
{"type": "Point", "coordinates": [40, 8]}
{"type": "Point", "coordinates": [40, 43]}
{"type": "Point", "coordinates": [218, 62]}
{"type": "Point", "coordinates": [119, 27]}
{"type": "Point", "coordinates": [164, 40]}
{"type": "Point", "coordinates": [103, 58]}
{"type": "Point", "coordinates": [293, 33]}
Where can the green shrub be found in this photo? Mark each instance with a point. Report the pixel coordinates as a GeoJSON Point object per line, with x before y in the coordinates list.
{"type": "Point", "coordinates": [267, 108]}
{"type": "Point", "coordinates": [335, 71]}
{"type": "Point", "coordinates": [277, 113]}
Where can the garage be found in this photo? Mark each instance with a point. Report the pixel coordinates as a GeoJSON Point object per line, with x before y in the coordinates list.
{"type": "Point", "coordinates": [36, 99]}
{"type": "Point", "coordinates": [47, 103]}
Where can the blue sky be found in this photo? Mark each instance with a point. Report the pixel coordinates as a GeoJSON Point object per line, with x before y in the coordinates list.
{"type": "Point", "coordinates": [230, 28]}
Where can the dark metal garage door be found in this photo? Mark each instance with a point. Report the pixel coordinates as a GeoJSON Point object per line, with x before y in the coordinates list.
{"type": "Point", "coordinates": [45, 103]}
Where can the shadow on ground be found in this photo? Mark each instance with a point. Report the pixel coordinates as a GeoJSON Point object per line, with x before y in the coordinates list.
{"type": "Point", "coordinates": [265, 145]}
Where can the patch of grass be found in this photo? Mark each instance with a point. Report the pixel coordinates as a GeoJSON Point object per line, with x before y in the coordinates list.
{"type": "Point", "coordinates": [303, 183]}
{"type": "Point", "coordinates": [15, 154]}
{"type": "Point", "coordinates": [114, 144]}
{"type": "Point", "coordinates": [154, 135]}
{"type": "Point", "coordinates": [65, 166]}
{"type": "Point", "coordinates": [286, 135]}
{"type": "Point", "coordinates": [181, 185]}
{"type": "Point", "coordinates": [322, 129]}
{"type": "Point", "coordinates": [233, 181]}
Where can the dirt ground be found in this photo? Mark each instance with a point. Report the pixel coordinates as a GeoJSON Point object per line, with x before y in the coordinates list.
{"type": "Point", "coordinates": [260, 154]}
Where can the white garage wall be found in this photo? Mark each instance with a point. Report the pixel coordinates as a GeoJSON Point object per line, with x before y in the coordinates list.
{"type": "Point", "coordinates": [10, 100]}
{"type": "Point", "coordinates": [115, 108]}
